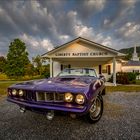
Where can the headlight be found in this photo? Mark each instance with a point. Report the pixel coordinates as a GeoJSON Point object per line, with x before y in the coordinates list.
{"type": "Point", "coordinates": [68, 97]}
{"type": "Point", "coordinates": [20, 92]}
{"type": "Point", "coordinates": [14, 92]}
{"type": "Point", "coordinates": [80, 99]}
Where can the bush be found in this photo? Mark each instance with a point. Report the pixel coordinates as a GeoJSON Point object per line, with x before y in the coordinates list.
{"type": "Point", "coordinates": [3, 76]}
{"type": "Point", "coordinates": [46, 75]}
{"type": "Point", "coordinates": [132, 77]}
{"type": "Point", "coordinates": [124, 78]}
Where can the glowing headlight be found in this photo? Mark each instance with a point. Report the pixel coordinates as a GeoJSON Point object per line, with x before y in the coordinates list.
{"type": "Point", "coordinates": [80, 99]}
{"type": "Point", "coordinates": [14, 92]}
{"type": "Point", "coordinates": [68, 97]}
{"type": "Point", "coordinates": [20, 92]}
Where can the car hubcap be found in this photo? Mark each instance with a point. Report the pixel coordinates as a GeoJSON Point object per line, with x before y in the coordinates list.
{"type": "Point", "coordinates": [95, 109]}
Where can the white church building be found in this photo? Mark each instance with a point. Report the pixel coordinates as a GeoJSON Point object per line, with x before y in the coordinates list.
{"type": "Point", "coordinates": [132, 65]}
{"type": "Point", "coordinates": [83, 53]}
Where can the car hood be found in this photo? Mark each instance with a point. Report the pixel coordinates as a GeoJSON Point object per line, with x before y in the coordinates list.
{"type": "Point", "coordinates": [58, 84]}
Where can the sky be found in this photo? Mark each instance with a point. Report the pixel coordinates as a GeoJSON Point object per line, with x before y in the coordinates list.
{"type": "Point", "coordinates": [45, 24]}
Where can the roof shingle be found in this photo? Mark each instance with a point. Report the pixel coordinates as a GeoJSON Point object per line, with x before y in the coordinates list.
{"type": "Point", "coordinates": [132, 63]}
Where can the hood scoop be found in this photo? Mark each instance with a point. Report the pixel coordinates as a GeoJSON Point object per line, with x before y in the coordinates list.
{"type": "Point", "coordinates": [66, 79]}
{"type": "Point", "coordinates": [72, 81]}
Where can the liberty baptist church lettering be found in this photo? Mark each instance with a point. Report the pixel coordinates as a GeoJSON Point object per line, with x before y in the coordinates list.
{"type": "Point", "coordinates": [82, 54]}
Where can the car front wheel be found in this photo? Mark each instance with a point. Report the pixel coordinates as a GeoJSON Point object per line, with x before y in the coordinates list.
{"type": "Point", "coordinates": [96, 110]}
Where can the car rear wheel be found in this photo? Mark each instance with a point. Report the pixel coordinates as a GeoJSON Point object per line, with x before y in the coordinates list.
{"type": "Point", "coordinates": [96, 110]}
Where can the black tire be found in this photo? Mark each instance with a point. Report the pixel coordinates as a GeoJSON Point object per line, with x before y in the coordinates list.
{"type": "Point", "coordinates": [104, 91]}
{"type": "Point", "coordinates": [96, 110]}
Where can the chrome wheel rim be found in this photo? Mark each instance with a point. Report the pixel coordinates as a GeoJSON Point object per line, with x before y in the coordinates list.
{"type": "Point", "coordinates": [95, 109]}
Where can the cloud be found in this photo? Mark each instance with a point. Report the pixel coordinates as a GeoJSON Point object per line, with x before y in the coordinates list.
{"type": "Point", "coordinates": [130, 30]}
{"type": "Point", "coordinates": [95, 4]}
{"type": "Point", "coordinates": [81, 30]}
{"type": "Point", "coordinates": [107, 41]}
{"type": "Point", "coordinates": [121, 14]}
{"type": "Point", "coordinates": [88, 8]}
{"type": "Point", "coordinates": [104, 40]}
{"type": "Point", "coordinates": [46, 44]}
{"type": "Point", "coordinates": [106, 21]}
{"type": "Point", "coordinates": [64, 37]}
{"type": "Point", "coordinates": [129, 3]}
{"type": "Point", "coordinates": [1, 54]}
{"type": "Point", "coordinates": [28, 17]}
{"type": "Point", "coordinates": [37, 44]}
{"type": "Point", "coordinates": [46, 24]}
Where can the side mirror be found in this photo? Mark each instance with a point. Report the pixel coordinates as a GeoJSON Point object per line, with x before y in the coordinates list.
{"type": "Point", "coordinates": [102, 77]}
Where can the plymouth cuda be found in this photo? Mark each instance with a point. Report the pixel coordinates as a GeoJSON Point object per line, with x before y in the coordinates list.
{"type": "Point", "coordinates": [76, 91]}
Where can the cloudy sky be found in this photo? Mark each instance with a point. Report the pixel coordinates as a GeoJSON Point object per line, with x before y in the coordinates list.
{"type": "Point", "coordinates": [43, 25]}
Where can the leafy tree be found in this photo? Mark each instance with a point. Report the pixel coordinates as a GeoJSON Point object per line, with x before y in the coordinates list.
{"type": "Point", "coordinates": [2, 64]}
{"type": "Point", "coordinates": [38, 63]}
{"type": "Point", "coordinates": [129, 52]}
{"type": "Point", "coordinates": [128, 57]}
{"type": "Point", "coordinates": [17, 59]}
{"type": "Point", "coordinates": [46, 71]}
{"type": "Point", "coordinates": [30, 69]}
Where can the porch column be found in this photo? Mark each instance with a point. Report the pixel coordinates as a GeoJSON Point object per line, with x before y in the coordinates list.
{"type": "Point", "coordinates": [51, 67]}
{"type": "Point", "coordinates": [114, 71]}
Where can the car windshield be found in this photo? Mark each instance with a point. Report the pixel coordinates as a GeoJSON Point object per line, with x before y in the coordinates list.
{"type": "Point", "coordinates": [78, 72]}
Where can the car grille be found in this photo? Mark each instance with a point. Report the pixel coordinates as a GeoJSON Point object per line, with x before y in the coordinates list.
{"type": "Point", "coordinates": [49, 97]}
{"type": "Point", "coordinates": [30, 96]}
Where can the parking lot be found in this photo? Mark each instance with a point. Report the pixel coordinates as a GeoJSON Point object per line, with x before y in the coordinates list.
{"type": "Point", "coordinates": [120, 120]}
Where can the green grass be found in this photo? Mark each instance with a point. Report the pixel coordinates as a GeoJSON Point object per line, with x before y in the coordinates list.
{"type": "Point", "coordinates": [4, 86]}
{"type": "Point", "coordinates": [138, 82]}
{"type": "Point", "coordinates": [3, 77]}
{"type": "Point", "coordinates": [128, 88]}
{"type": "Point", "coordinates": [125, 88]}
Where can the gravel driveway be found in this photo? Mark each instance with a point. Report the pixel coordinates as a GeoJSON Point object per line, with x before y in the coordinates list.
{"type": "Point", "coordinates": [120, 120]}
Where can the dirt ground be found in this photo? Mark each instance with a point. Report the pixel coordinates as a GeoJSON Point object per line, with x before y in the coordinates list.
{"type": "Point", "coordinates": [120, 121]}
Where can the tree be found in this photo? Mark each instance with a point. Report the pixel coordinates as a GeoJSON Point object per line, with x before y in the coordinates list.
{"type": "Point", "coordinates": [38, 63]}
{"type": "Point", "coordinates": [17, 59]}
{"type": "Point", "coordinates": [29, 70]}
{"type": "Point", "coordinates": [46, 71]}
{"type": "Point", "coordinates": [2, 64]}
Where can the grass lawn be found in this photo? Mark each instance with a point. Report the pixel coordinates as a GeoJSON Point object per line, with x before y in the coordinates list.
{"type": "Point", "coordinates": [125, 88]}
{"type": "Point", "coordinates": [4, 85]}
{"type": "Point", "coordinates": [138, 82]}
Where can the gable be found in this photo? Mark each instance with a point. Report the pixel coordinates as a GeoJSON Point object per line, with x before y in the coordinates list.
{"type": "Point", "coordinates": [81, 47]}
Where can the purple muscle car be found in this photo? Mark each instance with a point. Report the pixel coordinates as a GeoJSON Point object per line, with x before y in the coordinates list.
{"type": "Point", "coordinates": [75, 91]}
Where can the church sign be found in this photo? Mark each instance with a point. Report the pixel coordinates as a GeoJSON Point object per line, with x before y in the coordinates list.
{"type": "Point", "coordinates": [82, 54]}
